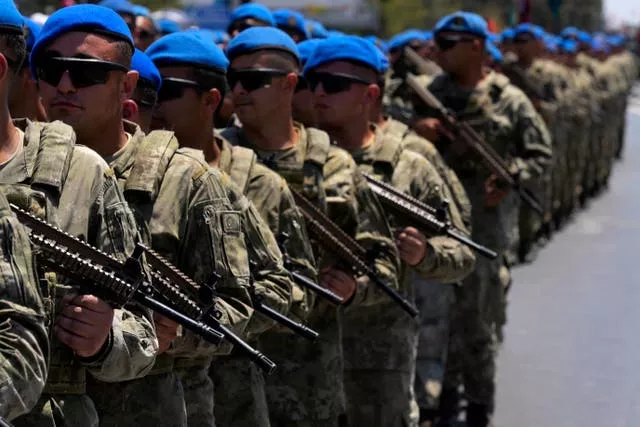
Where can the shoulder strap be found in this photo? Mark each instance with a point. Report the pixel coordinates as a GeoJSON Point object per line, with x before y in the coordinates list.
{"type": "Point", "coordinates": [242, 162]}
{"type": "Point", "coordinates": [318, 147]}
{"type": "Point", "coordinates": [387, 154]}
{"type": "Point", "coordinates": [54, 155]}
{"type": "Point", "coordinates": [152, 159]}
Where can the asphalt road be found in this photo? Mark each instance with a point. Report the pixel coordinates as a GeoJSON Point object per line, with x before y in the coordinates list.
{"type": "Point", "coordinates": [571, 357]}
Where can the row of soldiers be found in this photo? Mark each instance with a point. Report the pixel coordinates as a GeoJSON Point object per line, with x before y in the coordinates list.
{"type": "Point", "coordinates": [117, 146]}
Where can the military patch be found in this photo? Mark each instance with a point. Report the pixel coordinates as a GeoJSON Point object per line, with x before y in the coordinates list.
{"type": "Point", "coordinates": [230, 222]}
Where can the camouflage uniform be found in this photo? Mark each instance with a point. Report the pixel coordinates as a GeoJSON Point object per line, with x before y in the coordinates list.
{"type": "Point", "coordinates": [72, 187]}
{"type": "Point", "coordinates": [209, 231]}
{"type": "Point", "coordinates": [380, 362]}
{"type": "Point", "coordinates": [506, 119]}
{"type": "Point", "coordinates": [23, 338]}
{"type": "Point", "coordinates": [433, 299]}
{"type": "Point", "coordinates": [243, 402]}
{"type": "Point", "coordinates": [308, 390]}
{"type": "Point", "coordinates": [628, 64]}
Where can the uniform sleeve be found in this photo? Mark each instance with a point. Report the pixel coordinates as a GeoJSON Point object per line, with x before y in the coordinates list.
{"type": "Point", "coordinates": [24, 342]}
{"type": "Point", "coordinates": [133, 344]}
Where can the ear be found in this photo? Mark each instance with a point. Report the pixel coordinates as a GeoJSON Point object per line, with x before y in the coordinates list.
{"type": "Point", "coordinates": [291, 81]}
{"type": "Point", "coordinates": [129, 85]}
{"type": "Point", "coordinates": [130, 110]}
{"type": "Point", "coordinates": [212, 99]}
{"type": "Point", "coordinates": [5, 71]}
{"type": "Point", "coordinates": [372, 94]}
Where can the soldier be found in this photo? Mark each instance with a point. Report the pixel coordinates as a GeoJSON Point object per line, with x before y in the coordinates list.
{"type": "Point", "coordinates": [292, 23]}
{"type": "Point", "coordinates": [243, 402]}
{"type": "Point", "coordinates": [343, 74]}
{"type": "Point", "coordinates": [506, 119]}
{"type": "Point", "coordinates": [145, 32]}
{"type": "Point", "coordinates": [24, 338]}
{"type": "Point", "coordinates": [139, 108]}
{"type": "Point", "coordinates": [308, 390]}
{"type": "Point", "coordinates": [24, 100]}
{"type": "Point", "coordinates": [73, 188]}
{"type": "Point", "coordinates": [302, 105]}
{"type": "Point", "coordinates": [249, 15]}
{"type": "Point", "coordinates": [210, 218]}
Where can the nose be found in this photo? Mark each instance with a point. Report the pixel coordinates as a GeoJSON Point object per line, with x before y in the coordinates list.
{"type": "Point", "coordinates": [65, 85]}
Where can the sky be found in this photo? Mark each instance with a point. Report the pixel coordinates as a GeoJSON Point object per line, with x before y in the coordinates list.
{"type": "Point", "coordinates": [618, 12]}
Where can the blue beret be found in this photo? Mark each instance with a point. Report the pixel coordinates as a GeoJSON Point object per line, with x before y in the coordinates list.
{"type": "Point", "coordinates": [428, 35]}
{"type": "Point", "coordinates": [508, 34]}
{"type": "Point", "coordinates": [83, 17]}
{"type": "Point", "coordinates": [306, 48]}
{"type": "Point", "coordinates": [139, 10]}
{"type": "Point", "coordinates": [382, 57]}
{"type": "Point", "coordinates": [399, 41]}
{"type": "Point", "coordinates": [217, 36]}
{"type": "Point", "coordinates": [494, 38]}
{"type": "Point", "coordinates": [286, 19]}
{"type": "Point", "coordinates": [494, 52]}
{"type": "Point", "coordinates": [599, 45]}
{"type": "Point", "coordinates": [256, 11]}
{"type": "Point", "coordinates": [584, 37]}
{"type": "Point", "coordinates": [527, 28]}
{"type": "Point", "coordinates": [569, 32]}
{"type": "Point", "coordinates": [146, 68]}
{"type": "Point", "coordinates": [380, 44]}
{"type": "Point", "coordinates": [188, 48]}
{"type": "Point", "coordinates": [33, 31]}
{"type": "Point", "coordinates": [568, 46]}
{"type": "Point", "coordinates": [261, 38]}
{"type": "Point", "coordinates": [10, 18]}
{"type": "Point", "coordinates": [551, 45]}
{"type": "Point", "coordinates": [615, 40]}
{"type": "Point", "coordinates": [167, 26]}
{"type": "Point", "coordinates": [120, 6]}
{"type": "Point", "coordinates": [335, 33]}
{"type": "Point", "coordinates": [346, 48]}
{"type": "Point", "coordinates": [316, 30]}
{"type": "Point", "coordinates": [463, 22]}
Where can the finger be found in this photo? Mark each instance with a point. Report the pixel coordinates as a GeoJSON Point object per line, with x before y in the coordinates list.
{"type": "Point", "coordinates": [80, 329]}
{"type": "Point", "coordinates": [70, 339]}
{"type": "Point", "coordinates": [83, 314]}
{"type": "Point", "coordinates": [92, 303]}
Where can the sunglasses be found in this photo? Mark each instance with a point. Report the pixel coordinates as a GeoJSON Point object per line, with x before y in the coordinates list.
{"type": "Point", "coordinates": [523, 39]}
{"type": "Point", "coordinates": [244, 24]}
{"type": "Point", "coordinates": [173, 88]}
{"type": "Point", "coordinates": [253, 78]}
{"type": "Point", "coordinates": [144, 34]}
{"type": "Point", "coordinates": [302, 84]}
{"type": "Point", "coordinates": [332, 82]}
{"type": "Point", "coordinates": [83, 72]}
{"type": "Point", "coordinates": [449, 42]}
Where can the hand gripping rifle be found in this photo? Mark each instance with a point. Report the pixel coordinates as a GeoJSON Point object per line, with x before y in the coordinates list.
{"type": "Point", "coordinates": [340, 244]}
{"type": "Point", "coordinates": [467, 137]}
{"type": "Point", "coordinates": [256, 299]}
{"type": "Point", "coordinates": [431, 220]}
{"type": "Point", "coordinates": [118, 283]}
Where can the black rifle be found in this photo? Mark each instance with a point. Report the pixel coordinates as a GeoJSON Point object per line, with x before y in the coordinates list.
{"type": "Point", "coordinates": [298, 328]}
{"type": "Point", "coordinates": [4, 423]}
{"type": "Point", "coordinates": [341, 245]}
{"type": "Point", "coordinates": [467, 137]}
{"type": "Point", "coordinates": [422, 65]}
{"type": "Point", "coordinates": [302, 280]}
{"type": "Point", "coordinates": [429, 219]}
{"type": "Point", "coordinates": [118, 283]}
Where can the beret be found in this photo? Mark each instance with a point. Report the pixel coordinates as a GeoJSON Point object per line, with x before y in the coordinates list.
{"type": "Point", "coordinates": [306, 47]}
{"type": "Point", "coordinates": [569, 32]}
{"type": "Point", "coordinates": [347, 48]}
{"type": "Point", "coordinates": [428, 35]}
{"type": "Point", "coordinates": [139, 10]}
{"type": "Point", "coordinates": [599, 45]}
{"type": "Point", "coordinates": [120, 6]}
{"type": "Point", "coordinates": [335, 33]}
{"type": "Point", "coordinates": [584, 37]}
{"type": "Point", "coordinates": [508, 34]}
{"type": "Point", "coordinates": [316, 30]}
{"type": "Point", "coordinates": [399, 41]}
{"type": "Point", "coordinates": [494, 52]}
{"type": "Point", "coordinates": [382, 58]}
{"type": "Point", "coordinates": [83, 17]}
{"type": "Point", "coordinates": [167, 26]}
{"type": "Point", "coordinates": [568, 46]}
{"type": "Point", "coordinates": [616, 40]}
{"type": "Point", "coordinates": [463, 22]}
{"type": "Point", "coordinates": [527, 28]}
{"type": "Point", "coordinates": [290, 19]}
{"type": "Point", "coordinates": [256, 11]}
{"type": "Point", "coordinates": [188, 48]}
{"type": "Point", "coordinates": [551, 45]}
{"type": "Point", "coordinates": [216, 36]}
{"type": "Point", "coordinates": [380, 44]}
{"type": "Point", "coordinates": [146, 68]}
{"type": "Point", "coordinates": [32, 30]}
{"type": "Point", "coordinates": [10, 19]}
{"type": "Point", "coordinates": [261, 38]}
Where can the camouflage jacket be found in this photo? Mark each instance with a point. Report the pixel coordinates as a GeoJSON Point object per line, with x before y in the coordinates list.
{"type": "Point", "coordinates": [272, 198]}
{"type": "Point", "coordinates": [24, 341]}
{"type": "Point", "coordinates": [71, 186]}
{"type": "Point", "coordinates": [502, 115]}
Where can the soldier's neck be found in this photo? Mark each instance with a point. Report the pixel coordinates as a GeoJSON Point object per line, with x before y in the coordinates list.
{"type": "Point", "coordinates": [107, 141]}
{"type": "Point", "coordinates": [278, 134]}
{"type": "Point", "coordinates": [470, 78]}
{"type": "Point", "coordinates": [212, 153]}
{"type": "Point", "coordinates": [354, 136]}
{"type": "Point", "coordinates": [9, 135]}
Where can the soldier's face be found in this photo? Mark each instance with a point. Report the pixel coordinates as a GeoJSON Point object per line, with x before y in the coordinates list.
{"type": "Point", "coordinates": [82, 84]}
{"type": "Point", "coordinates": [303, 108]}
{"type": "Point", "coordinates": [145, 33]}
{"type": "Point", "coordinates": [259, 91]}
{"type": "Point", "coordinates": [342, 92]}
{"type": "Point", "coordinates": [454, 50]}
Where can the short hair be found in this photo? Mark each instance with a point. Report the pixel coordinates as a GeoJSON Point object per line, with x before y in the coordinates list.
{"type": "Point", "coordinates": [124, 52]}
{"type": "Point", "coordinates": [145, 94]}
{"type": "Point", "coordinates": [16, 46]}
{"type": "Point", "coordinates": [209, 79]}
{"type": "Point", "coordinates": [282, 61]}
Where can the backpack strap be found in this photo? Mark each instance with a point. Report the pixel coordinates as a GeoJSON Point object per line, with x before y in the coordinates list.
{"type": "Point", "coordinates": [243, 160]}
{"type": "Point", "coordinates": [53, 160]}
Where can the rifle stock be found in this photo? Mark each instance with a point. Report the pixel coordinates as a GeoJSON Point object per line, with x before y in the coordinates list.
{"type": "Point", "coordinates": [343, 246]}
{"type": "Point", "coordinates": [467, 136]}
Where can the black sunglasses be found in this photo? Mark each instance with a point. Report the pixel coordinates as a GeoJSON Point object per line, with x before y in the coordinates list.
{"type": "Point", "coordinates": [523, 39]}
{"type": "Point", "coordinates": [302, 84]}
{"type": "Point", "coordinates": [332, 82]}
{"type": "Point", "coordinates": [83, 72]}
{"type": "Point", "coordinates": [244, 24]}
{"type": "Point", "coordinates": [173, 88]}
{"type": "Point", "coordinates": [253, 78]}
{"type": "Point", "coordinates": [450, 41]}
{"type": "Point", "coordinates": [144, 34]}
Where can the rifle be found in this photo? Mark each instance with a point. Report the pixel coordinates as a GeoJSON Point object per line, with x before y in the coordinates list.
{"type": "Point", "coordinates": [468, 137]}
{"type": "Point", "coordinates": [430, 219]}
{"type": "Point", "coordinates": [298, 328]}
{"type": "Point", "coordinates": [4, 423]}
{"type": "Point", "coordinates": [424, 66]}
{"type": "Point", "coordinates": [340, 244]}
{"type": "Point", "coordinates": [118, 283]}
{"type": "Point", "coordinates": [302, 280]}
